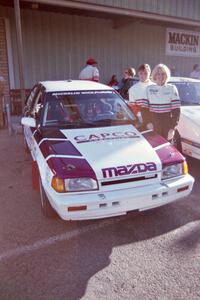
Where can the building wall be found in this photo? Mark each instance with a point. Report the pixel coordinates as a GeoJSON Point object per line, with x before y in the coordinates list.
{"type": "Point", "coordinates": [3, 66]}
{"type": "Point", "coordinates": [189, 9]}
{"type": "Point", "coordinates": [56, 46]}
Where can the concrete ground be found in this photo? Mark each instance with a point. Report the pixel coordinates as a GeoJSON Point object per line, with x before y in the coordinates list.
{"type": "Point", "coordinates": [151, 255]}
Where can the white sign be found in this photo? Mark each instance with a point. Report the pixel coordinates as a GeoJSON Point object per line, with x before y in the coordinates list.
{"type": "Point", "coordinates": [181, 42]}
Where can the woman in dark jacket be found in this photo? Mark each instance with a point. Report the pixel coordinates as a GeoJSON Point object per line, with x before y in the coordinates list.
{"type": "Point", "coordinates": [126, 82]}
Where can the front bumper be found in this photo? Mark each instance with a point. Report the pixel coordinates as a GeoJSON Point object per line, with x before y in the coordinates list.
{"type": "Point", "coordinates": [119, 202]}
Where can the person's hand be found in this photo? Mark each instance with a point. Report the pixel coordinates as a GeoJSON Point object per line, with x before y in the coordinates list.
{"type": "Point", "coordinates": [171, 133]}
{"type": "Point", "coordinates": [150, 126]}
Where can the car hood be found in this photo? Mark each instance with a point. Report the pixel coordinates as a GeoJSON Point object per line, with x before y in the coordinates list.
{"type": "Point", "coordinates": [193, 113]}
{"type": "Point", "coordinates": [113, 147]}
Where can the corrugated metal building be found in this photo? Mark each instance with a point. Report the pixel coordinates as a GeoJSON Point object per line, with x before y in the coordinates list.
{"type": "Point", "coordinates": [58, 36]}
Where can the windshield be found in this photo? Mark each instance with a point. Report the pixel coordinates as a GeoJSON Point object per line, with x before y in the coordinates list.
{"type": "Point", "coordinates": [189, 92]}
{"type": "Point", "coordinates": [85, 109]}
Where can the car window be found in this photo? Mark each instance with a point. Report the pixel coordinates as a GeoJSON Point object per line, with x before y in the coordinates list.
{"type": "Point", "coordinates": [189, 92]}
{"type": "Point", "coordinates": [85, 109]}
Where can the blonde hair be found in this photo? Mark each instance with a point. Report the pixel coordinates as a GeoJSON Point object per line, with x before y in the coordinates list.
{"type": "Point", "coordinates": [164, 69]}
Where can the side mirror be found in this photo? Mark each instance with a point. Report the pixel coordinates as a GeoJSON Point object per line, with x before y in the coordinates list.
{"type": "Point", "coordinates": [30, 122]}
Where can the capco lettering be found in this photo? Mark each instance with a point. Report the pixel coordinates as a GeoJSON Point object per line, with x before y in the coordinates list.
{"type": "Point", "coordinates": [105, 136]}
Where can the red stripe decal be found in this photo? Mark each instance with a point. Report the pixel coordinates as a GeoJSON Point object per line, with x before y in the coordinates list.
{"type": "Point", "coordinates": [154, 139]}
{"type": "Point", "coordinates": [169, 155]}
{"type": "Point", "coordinates": [49, 147]}
{"type": "Point", "coordinates": [71, 168]}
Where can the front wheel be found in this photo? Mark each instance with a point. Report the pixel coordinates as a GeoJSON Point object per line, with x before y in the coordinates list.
{"type": "Point", "coordinates": [176, 141]}
{"type": "Point", "coordinates": [46, 207]}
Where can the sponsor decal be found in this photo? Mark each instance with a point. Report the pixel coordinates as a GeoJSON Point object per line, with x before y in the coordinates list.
{"type": "Point", "coordinates": [73, 93]}
{"type": "Point", "coordinates": [105, 136]}
{"type": "Point", "coordinates": [129, 169]}
{"type": "Point", "coordinates": [182, 42]}
{"type": "Point", "coordinates": [153, 90]}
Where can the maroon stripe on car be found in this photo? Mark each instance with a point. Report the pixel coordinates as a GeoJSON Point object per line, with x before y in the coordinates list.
{"type": "Point", "coordinates": [56, 133]}
{"type": "Point", "coordinates": [71, 168]}
{"type": "Point", "coordinates": [49, 147]}
{"type": "Point", "coordinates": [154, 139]}
{"type": "Point", "coordinates": [41, 134]}
{"type": "Point", "coordinates": [169, 155]}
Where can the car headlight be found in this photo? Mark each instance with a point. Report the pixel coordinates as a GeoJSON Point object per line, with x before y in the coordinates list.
{"type": "Point", "coordinates": [80, 184]}
{"type": "Point", "coordinates": [174, 170]}
{"type": "Point", "coordinates": [73, 184]}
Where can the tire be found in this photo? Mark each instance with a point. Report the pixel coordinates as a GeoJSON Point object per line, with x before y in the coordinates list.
{"type": "Point", "coordinates": [176, 141]}
{"type": "Point", "coordinates": [46, 207]}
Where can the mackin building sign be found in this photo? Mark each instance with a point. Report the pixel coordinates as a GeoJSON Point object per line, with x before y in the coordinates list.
{"type": "Point", "coordinates": [182, 43]}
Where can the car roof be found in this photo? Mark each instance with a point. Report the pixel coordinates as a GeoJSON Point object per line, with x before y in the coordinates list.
{"type": "Point", "coordinates": [183, 79]}
{"type": "Point", "coordinates": [73, 85]}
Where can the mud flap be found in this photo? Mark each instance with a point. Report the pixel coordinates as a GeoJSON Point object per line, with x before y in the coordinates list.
{"type": "Point", "coordinates": [35, 176]}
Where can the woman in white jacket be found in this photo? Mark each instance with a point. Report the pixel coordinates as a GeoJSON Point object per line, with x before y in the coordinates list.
{"type": "Point", "coordinates": [163, 103]}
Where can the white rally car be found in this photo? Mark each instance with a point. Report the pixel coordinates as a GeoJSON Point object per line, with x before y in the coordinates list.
{"type": "Point", "coordinates": [187, 136]}
{"type": "Point", "coordinates": [90, 161]}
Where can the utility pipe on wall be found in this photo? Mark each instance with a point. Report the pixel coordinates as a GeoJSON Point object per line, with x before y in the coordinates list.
{"type": "Point", "coordinates": [20, 50]}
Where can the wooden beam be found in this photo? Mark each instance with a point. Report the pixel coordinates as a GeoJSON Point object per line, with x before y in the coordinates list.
{"type": "Point", "coordinates": [122, 22]}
